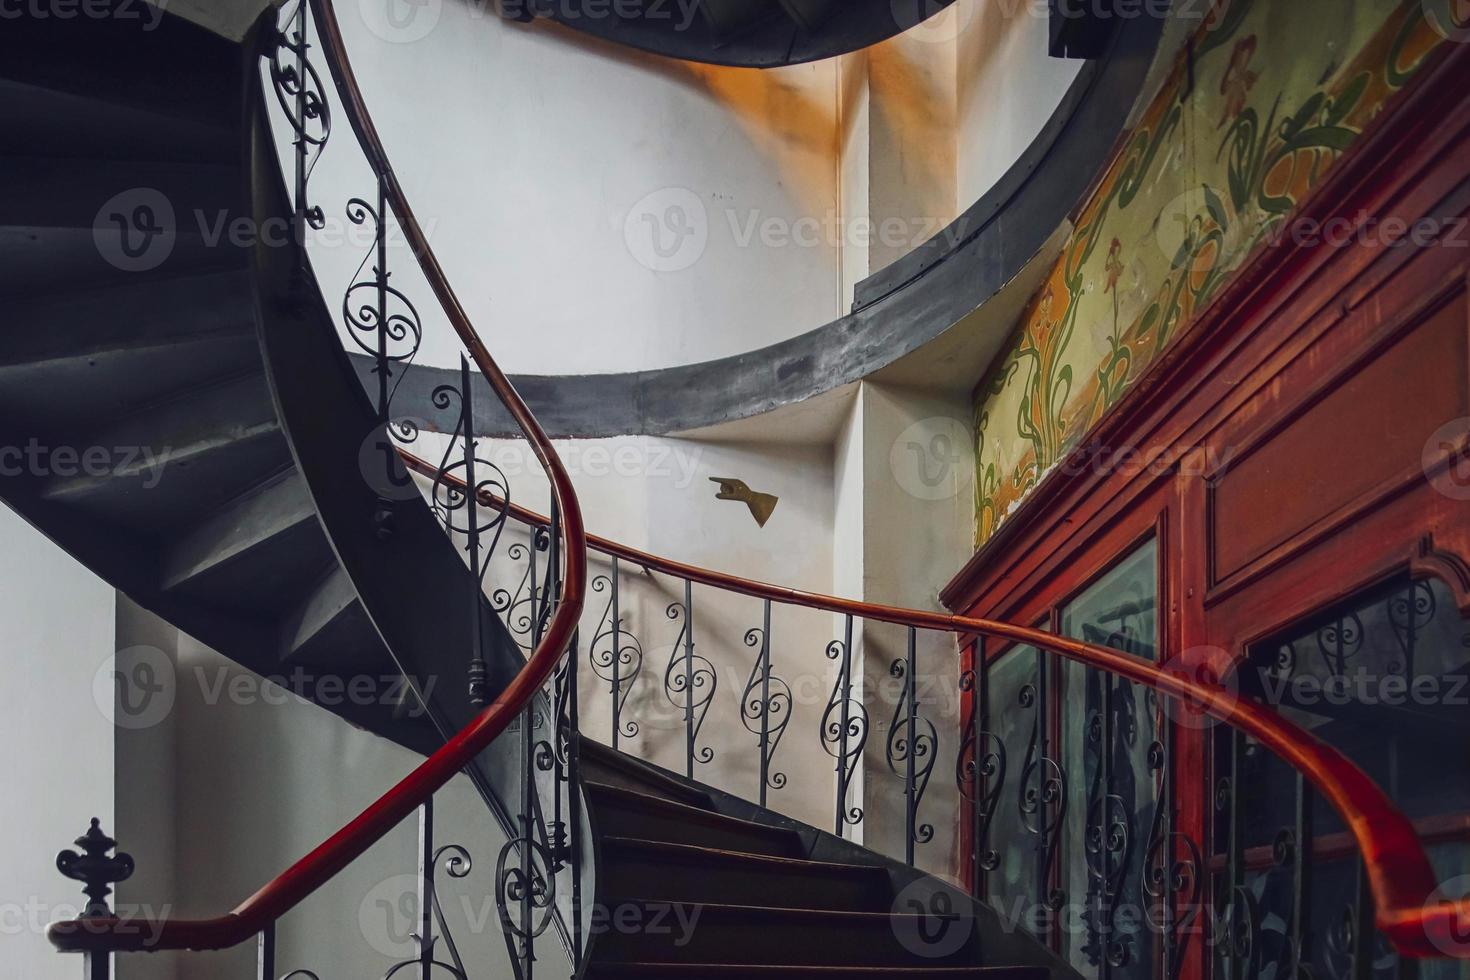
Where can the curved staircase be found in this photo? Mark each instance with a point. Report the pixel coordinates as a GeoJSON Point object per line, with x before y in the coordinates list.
{"type": "Point", "coordinates": [228, 493]}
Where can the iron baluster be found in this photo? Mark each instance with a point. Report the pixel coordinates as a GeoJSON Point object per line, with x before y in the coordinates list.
{"type": "Point", "coordinates": [301, 107]}
{"type": "Point", "coordinates": [383, 369]}
{"type": "Point", "coordinates": [1238, 931]}
{"type": "Point", "coordinates": [265, 954]}
{"type": "Point", "coordinates": [574, 840]}
{"type": "Point", "coordinates": [301, 97]}
{"type": "Point", "coordinates": [1362, 933]}
{"type": "Point", "coordinates": [617, 648]}
{"type": "Point", "coordinates": [615, 654]}
{"type": "Point", "coordinates": [1104, 830]}
{"type": "Point", "coordinates": [1301, 893]}
{"type": "Point", "coordinates": [844, 728]}
{"type": "Point", "coordinates": [478, 669]}
{"type": "Point", "coordinates": [910, 774]}
{"type": "Point", "coordinates": [426, 890]}
{"type": "Point", "coordinates": [913, 746]}
{"type": "Point", "coordinates": [690, 682]}
{"type": "Point", "coordinates": [765, 669]}
{"type": "Point", "coordinates": [689, 677]}
{"type": "Point", "coordinates": [980, 770]}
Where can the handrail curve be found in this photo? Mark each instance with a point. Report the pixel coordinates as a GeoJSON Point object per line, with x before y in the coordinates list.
{"type": "Point", "coordinates": [286, 890]}
{"type": "Point", "coordinates": [1408, 908]}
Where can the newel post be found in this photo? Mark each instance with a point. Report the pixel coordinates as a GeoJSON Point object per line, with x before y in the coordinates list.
{"type": "Point", "coordinates": [98, 873]}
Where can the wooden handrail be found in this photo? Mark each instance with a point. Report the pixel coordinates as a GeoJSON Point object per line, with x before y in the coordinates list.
{"type": "Point", "coordinates": [1404, 884]}
{"type": "Point", "coordinates": [289, 888]}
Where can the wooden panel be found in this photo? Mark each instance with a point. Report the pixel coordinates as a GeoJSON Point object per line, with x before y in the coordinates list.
{"type": "Point", "coordinates": [1358, 435]}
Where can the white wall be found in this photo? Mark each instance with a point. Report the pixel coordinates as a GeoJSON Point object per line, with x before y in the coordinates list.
{"type": "Point", "coordinates": [58, 730]}
{"type": "Point", "coordinates": [917, 527]}
{"type": "Point", "coordinates": [1008, 88]}
{"type": "Point", "coordinates": [255, 778]}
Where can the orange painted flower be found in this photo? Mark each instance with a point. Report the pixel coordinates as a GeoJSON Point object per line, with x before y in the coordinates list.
{"type": "Point", "coordinates": [1238, 80]}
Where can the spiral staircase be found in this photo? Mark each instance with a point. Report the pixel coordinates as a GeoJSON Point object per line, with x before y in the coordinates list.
{"type": "Point", "coordinates": [235, 504]}
{"type": "Point", "coordinates": [233, 495]}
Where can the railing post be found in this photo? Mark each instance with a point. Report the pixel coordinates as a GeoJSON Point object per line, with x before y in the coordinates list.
{"type": "Point", "coordinates": [844, 695]}
{"type": "Point", "coordinates": [1301, 892]}
{"type": "Point", "coordinates": [689, 678]}
{"type": "Point", "coordinates": [617, 653]}
{"type": "Point", "coordinates": [426, 890]}
{"type": "Point", "coordinates": [91, 866]}
{"type": "Point", "coordinates": [301, 173]}
{"type": "Point", "coordinates": [765, 709]}
{"type": "Point", "coordinates": [910, 781]}
{"type": "Point", "coordinates": [1237, 922]}
{"type": "Point", "coordinates": [381, 248]}
{"type": "Point", "coordinates": [265, 957]}
{"type": "Point", "coordinates": [574, 834]}
{"type": "Point", "coordinates": [478, 669]}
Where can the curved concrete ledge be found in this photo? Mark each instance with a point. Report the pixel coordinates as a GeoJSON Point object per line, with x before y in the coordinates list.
{"type": "Point", "coordinates": [897, 311]}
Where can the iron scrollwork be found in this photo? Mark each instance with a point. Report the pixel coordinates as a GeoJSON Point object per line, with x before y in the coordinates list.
{"type": "Point", "coordinates": [690, 681]}
{"type": "Point", "coordinates": [1042, 799]}
{"type": "Point", "coordinates": [765, 707]}
{"type": "Point", "coordinates": [302, 97]}
{"type": "Point", "coordinates": [844, 729]}
{"type": "Point", "coordinates": [616, 656]}
{"type": "Point", "coordinates": [980, 773]}
{"type": "Point", "coordinates": [912, 743]}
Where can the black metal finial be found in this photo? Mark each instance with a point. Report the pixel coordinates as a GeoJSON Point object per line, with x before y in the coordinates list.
{"type": "Point", "coordinates": [95, 869]}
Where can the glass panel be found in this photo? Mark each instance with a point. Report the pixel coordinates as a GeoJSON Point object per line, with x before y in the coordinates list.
{"type": "Point", "coordinates": [1382, 677]}
{"type": "Point", "coordinates": [1110, 808]}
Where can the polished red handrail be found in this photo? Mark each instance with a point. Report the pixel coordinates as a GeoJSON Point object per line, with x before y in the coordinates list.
{"type": "Point", "coordinates": [263, 908]}
{"type": "Point", "coordinates": [1405, 888]}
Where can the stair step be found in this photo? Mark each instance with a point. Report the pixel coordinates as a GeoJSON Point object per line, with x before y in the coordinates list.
{"type": "Point", "coordinates": [260, 552]}
{"type": "Point", "coordinates": [733, 971]}
{"type": "Point", "coordinates": [175, 462]}
{"type": "Point", "coordinates": [329, 631]}
{"type": "Point", "coordinates": [136, 56]}
{"type": "Point", "coordinates": [74, 222]}
{"type": "Point", "coordinates": [781, 937]}
{"type": "Point", "coordinates": [75, 124]}
{"type": "Point", "coordinates": [602, 764]}
{"type": "Point", "coordinates": [50, 192]}
{"type": "Point", "coordinates": [72, 358]}
{"type": "Point", "coordinates": [625, 813]}
{"type": "Point", "coordinates": [141, 312]}
{"type": "Point", "coordinates": [685, 873]}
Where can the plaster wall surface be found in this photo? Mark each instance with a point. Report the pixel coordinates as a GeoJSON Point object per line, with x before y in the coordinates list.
{"type": "Point", "coordinates": [58, 731]}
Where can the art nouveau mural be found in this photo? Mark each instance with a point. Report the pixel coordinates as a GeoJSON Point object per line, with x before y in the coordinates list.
{"type": "Point", "coordinates": [1252, 117]}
